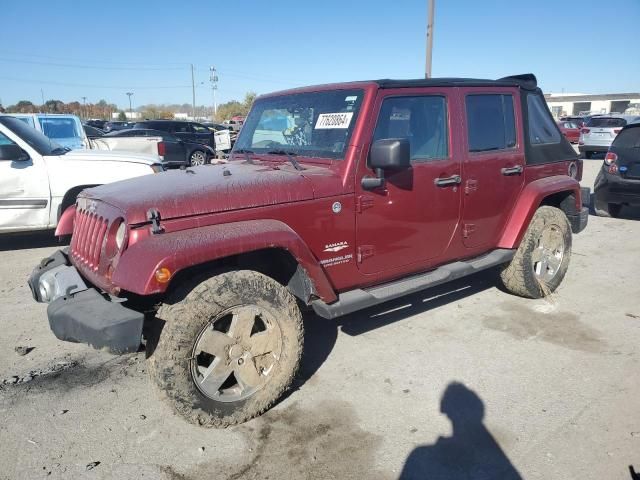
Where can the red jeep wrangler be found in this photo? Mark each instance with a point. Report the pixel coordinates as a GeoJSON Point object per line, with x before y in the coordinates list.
{"type": "Point", "coordinates": [338, 197]}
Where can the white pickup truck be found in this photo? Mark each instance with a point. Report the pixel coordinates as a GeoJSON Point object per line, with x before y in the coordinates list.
{"type": "Point", "coordinates": [39, 178]}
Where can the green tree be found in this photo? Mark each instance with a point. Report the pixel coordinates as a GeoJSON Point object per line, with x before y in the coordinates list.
{"type": "Point", "coordinates": [122, 117]}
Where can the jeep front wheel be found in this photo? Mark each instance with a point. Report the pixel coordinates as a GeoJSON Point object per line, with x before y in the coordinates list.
{"type": "Point", "coordinates": [542, 259]}
{"type": "Point", "coordinates": [229, 348]}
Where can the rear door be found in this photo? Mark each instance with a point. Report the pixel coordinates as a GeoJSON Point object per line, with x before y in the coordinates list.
{"type": "Point", "coordinates": [202, 134]}
{"type": "Point", "coordinates": [493, 168]}
{"type": "Point", "coordinates": [413, 219]}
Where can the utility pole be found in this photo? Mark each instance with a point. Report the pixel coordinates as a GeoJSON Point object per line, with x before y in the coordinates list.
{"type": "Point", "coordinates": [430, 22]}
{"type": "Point", "coordinates": [213, 78]}
{"type": "Point", "coordinates": [193, 91]}
{"type": "Point", "coordinates": [84, 103]}
{"type": "Point", "coordinates": [130, 110]}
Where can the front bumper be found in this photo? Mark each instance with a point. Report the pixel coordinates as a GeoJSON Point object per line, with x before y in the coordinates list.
{"type": "Point", "coordinates": [80, 313]}
{"type": "Point", "coordinates": [579, 220]}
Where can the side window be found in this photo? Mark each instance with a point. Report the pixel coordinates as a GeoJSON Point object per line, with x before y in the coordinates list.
{"type": "Point", "coordinates": [182, 127]}
{"type": "Point", "coordinates": [422, 120]}
{"type": "Point", "coordinates": [199, 128]}
{"type": "Point", "coordinates": [490, 122]}
{"type": "Point", "coordinates": [4, 140]}
{"type": "Point", "coordinates": [541, 127]}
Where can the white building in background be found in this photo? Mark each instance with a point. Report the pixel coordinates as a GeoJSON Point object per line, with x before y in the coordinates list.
{"type": "Point", "coordinates": [130, 115]}
{"type": "Point", "coordinates": [577, 103]}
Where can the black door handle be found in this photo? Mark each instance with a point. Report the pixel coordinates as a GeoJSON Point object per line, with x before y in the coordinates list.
{"type": "Point", "coordinates": [517, 170]}
{"type": "Point", "coordinates": [448, 181]}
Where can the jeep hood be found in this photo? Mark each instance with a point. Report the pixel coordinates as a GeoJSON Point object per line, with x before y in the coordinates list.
{"type": "Point", "coordinates": [110, 156]}
{"type": "Point", "coordinates": [208, 189]}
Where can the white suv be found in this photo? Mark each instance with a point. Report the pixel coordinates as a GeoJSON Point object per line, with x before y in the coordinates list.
{"type": "Point", "coordinates": [39, 178]}
{"type": "Point", "coordinates": [599, 132]}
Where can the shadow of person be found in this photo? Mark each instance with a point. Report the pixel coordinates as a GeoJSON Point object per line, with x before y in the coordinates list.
{"type": "Point", "coordinates": [470, 453]}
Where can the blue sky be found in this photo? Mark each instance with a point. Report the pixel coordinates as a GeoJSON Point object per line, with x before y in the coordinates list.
{"type": "Point", "coordinates": [103, 49]}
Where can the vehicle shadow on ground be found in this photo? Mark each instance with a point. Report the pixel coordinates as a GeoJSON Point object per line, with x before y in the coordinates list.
{"type": "Point", "coordinates": [24, 241]}
{"type": "Point", "coordinates": [470, 452]}
{"type": "Point", "coordinates": [321, 334]}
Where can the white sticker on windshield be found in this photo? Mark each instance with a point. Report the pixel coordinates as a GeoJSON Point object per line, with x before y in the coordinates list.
{"type": "Point", "coordinates": [334, 120]}
{"type": "Point", "coordinates": [351, 98]}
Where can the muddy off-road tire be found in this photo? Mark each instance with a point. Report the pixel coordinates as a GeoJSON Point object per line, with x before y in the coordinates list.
{"type": "Point", "coordinates": [229, 348]}
{"type": "Point", "coordinates": [542, 259]}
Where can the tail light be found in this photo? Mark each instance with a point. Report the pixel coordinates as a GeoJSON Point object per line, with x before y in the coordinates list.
{"type": "Point", "coordinates": [616, 130]}
{"type": "Point", "coordinates": [585, 130]}
{"type": "Point", "coordinates": [162, 148]}
{"type": "Point", "coordinates": [610, 160]}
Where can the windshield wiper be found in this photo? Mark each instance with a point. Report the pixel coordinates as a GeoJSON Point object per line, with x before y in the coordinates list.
{"type": "Point", "coordinates": [60, 150]}
{"type": "Point", "coordinates": [246, 153]}
{"type": "Point", "coordinates": [290, 155]}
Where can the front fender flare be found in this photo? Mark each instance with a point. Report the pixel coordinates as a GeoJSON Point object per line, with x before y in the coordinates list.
{"type": "Point", "coordinates": [528, 202]}
{"type": "Point", "coordinates": [177, 251]}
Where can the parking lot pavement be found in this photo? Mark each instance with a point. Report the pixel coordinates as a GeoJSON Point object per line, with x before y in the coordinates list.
{"type": "Point", "coordinates": [461, 377]}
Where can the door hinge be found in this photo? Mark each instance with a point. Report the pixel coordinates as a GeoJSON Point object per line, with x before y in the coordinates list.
{"type": "Point", "coordinates": [468, 229]}
{"type": "Point", "coordinates": [363, 202]}
{"type": "Point", "coordinates": [365, 251]}
{"type": "Point", "coordinates": [470, 186]}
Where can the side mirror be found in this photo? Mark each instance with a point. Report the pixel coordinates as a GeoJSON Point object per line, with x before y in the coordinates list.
{"type": "Point", "coordinates": [13, 153]}
{"type": "Point", "coordinates": [387, 154]}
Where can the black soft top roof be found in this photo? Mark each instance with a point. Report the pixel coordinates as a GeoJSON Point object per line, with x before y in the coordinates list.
{"type": "Point", "coordinates": [525, 81]}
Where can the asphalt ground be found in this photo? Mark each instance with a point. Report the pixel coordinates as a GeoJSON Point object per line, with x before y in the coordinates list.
{"type": "Point", "coordinates": [461, 381]}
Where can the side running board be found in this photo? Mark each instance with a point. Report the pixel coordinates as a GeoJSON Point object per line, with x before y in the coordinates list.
{"type": "Point", "coordinates": [358, 299]}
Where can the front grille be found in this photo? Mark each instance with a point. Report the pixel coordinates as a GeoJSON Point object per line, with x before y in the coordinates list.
{"type": "Point", "coordinates": [89, 231]}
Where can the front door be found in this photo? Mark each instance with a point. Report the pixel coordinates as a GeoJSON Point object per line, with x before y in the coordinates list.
{"type": "Point", "coordinates": [24, 191]}
{"type": "Point", "coordinates": [493, 169]}
{"type": "Point", "coordinates": [413, 219]}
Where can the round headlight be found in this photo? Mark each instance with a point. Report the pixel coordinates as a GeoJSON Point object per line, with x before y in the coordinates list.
{"type": "Point", "coordinates": [45, 294]}
{"type": "Point", "coordinates": [120, 233]}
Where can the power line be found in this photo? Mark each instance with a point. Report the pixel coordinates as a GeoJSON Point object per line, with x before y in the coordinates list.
{"type": "Point", "coordinates": [62, 84]}
{"type": "Point", "coordinates": [84, 60]}
{"type": "Point", "coordinates": [89, 67]}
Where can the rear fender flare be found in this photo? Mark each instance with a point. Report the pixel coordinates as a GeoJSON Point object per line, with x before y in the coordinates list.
{"type": "Point", "coordinates": [135, 271]}
{"type": "Point", "coordinates": [531, 197]}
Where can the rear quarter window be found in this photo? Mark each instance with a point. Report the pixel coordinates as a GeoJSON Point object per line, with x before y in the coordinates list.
{"type": "Point", "coordinates": [542, 129]}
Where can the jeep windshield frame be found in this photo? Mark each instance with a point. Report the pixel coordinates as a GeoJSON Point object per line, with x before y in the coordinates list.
{"type": "Point", "coordinates": [316, 124]}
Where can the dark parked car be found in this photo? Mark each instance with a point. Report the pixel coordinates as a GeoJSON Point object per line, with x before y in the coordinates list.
{"type": "Point", "coordinates": [618, 182]}
{"type": "Point", "coordinates": [113, 126]}
{"type": "Point", "coordinates": [96, 123]}
{"type": "Point", "coordinates": [217, 126]}
{"type": "Point", "coordinates": [176, 151]}
{"type": "Point", "coordinates": [188, 131]}
{"type": "Point", "coordinates": [92, 132]}
{"type": "Point", "coordinates": [571, 130]}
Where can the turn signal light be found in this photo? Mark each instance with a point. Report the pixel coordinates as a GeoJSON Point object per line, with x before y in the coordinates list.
{"type": "Point", "coordinates": [163, 275]}
{"type": "Point", "coordinates": [162, 149]}
{"type": "Point", "coordinates": [616, 130]}
{"type": "Point", "coordinates": [610, 158]}
{"type": "Point", "coordinates": [585, 130]}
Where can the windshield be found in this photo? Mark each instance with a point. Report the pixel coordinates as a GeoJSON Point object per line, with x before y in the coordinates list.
{"type": "Point", "coordinates": [66, 130]}
{"type": "Point", "coordinates": [317, 124]}
{"type": "Point", "coordinates": [35, 139]}
{"type": "Point", "coordinates": [27, 121]}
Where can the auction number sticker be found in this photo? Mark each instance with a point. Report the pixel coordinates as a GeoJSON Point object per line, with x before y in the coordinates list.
{"type": "Point", "coordinates": [334, 120]}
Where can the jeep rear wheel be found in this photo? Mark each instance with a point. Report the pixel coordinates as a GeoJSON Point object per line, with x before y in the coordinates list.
{"type": "Point", "coordinates": [542, 259]}
{"type": "Point", "coordinates": [229, 348]}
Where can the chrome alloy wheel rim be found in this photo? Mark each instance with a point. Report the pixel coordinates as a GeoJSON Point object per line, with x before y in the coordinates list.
{"type": "Point", "coordinates": [236, 353]}
{"type": "Point", "coordinates": [197, 158]}
{"type": "Point", "coordinates": [548, 254]}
